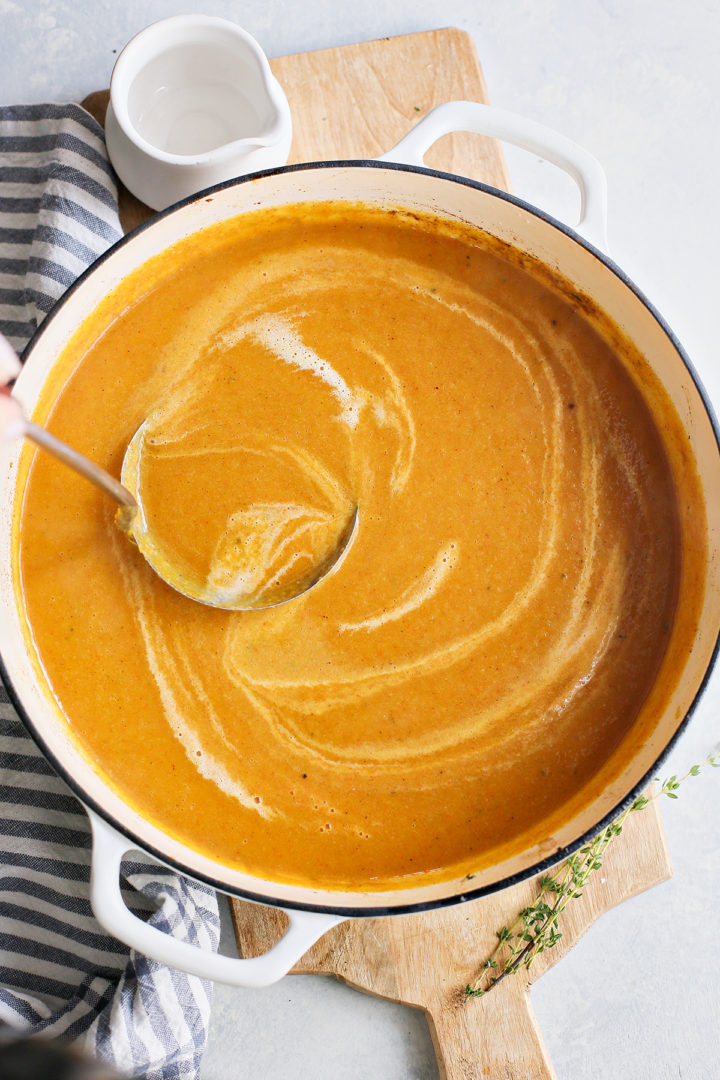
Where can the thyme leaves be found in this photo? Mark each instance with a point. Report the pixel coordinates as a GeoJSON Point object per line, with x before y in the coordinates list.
{"type": "Point", "coordinates": [537, 927]}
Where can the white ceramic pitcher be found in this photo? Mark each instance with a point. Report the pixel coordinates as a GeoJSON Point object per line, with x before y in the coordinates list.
{"type": "Point", "coordinates": [193, 103]}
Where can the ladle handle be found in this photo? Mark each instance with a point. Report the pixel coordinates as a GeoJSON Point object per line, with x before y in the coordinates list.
{"type": "Point", "coordinates": [585, 170]}
{"type": "Point", "coordinates": [14, 425]}
{"type": "Point", "coordinates": [111, 912]}
{"type": "Point", "coordinates": [79, 463]}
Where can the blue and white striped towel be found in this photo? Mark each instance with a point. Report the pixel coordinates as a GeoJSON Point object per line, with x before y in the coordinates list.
{"type": "Point", "coordinates": [60, 973]}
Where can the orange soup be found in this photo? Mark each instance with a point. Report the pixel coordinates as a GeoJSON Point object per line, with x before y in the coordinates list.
{"type": "Point", "coordinates": [480, 659]}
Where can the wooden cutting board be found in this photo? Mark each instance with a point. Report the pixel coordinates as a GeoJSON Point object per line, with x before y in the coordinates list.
{"type": "Point", "coordinates": [358, 101]}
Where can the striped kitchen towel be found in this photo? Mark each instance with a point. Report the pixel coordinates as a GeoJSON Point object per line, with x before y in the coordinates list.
{"type": "Point", "coordinates": [60, 973]}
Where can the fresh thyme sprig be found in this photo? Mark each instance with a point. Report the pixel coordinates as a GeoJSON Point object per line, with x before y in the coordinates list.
{"type": "Point", "coordinates": [537, 927]}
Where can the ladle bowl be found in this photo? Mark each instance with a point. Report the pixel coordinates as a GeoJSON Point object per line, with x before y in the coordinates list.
{"type": "Point", "coordinates": [132, 521]}
{"type": "Point", "coordinates": [236, 595]}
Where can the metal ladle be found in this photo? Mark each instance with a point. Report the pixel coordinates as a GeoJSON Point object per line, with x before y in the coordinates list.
{"type": "Point", "coordinates": [17, 425]}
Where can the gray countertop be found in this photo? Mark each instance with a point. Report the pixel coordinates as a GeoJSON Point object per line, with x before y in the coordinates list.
{"type": "Point", "coordinates": [638, 83]}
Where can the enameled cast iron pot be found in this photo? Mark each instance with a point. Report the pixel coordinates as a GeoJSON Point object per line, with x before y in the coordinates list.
{"type": "Point", "coordinates": [397, 179]}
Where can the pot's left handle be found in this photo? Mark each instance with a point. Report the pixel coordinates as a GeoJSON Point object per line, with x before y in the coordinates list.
{"type": "Point", "coordinates": [585, 169]}
{"type": "Point", "coordinates": [112, 913]}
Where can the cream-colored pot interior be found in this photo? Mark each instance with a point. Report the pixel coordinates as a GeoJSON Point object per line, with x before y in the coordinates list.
{"type": "Point", "coordinates": [415, 189]}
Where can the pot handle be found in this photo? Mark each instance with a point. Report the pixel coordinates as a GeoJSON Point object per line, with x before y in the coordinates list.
{"type": "Point", "coordinates": [585, 170]}
{"type": "Point", "coordinates": [112, 914]}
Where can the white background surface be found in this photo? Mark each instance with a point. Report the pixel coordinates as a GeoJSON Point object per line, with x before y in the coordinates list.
{"type": "Point", "coordinates": [638, 84]}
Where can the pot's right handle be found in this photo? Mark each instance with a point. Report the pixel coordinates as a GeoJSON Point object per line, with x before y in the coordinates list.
{"type": "Point", "coordinates": [112, 913]}
{"type": "Point", "coordinates": [585, 170]}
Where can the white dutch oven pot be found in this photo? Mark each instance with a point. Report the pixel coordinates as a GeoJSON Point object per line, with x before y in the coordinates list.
{"type": "Point", "coordinates": [397, 179]}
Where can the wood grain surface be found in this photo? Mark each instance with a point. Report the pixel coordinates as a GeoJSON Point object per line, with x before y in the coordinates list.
{"type": "Point", "coordinates": [352, 102]}
{"type": "Point", "coordinates": [426, 960]}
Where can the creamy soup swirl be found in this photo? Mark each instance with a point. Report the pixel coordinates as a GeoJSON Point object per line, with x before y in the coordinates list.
{"type": "Point", "coordinates": [499, 618]}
